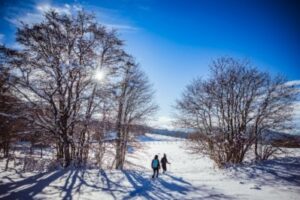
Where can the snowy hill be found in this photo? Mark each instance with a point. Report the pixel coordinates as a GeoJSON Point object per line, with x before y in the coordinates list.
{"type": "Point", "coordinates": [189, 177]}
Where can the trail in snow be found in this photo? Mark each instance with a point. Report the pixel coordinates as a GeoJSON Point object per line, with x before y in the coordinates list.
{"type": "Point", "coordinates": [189, 177]}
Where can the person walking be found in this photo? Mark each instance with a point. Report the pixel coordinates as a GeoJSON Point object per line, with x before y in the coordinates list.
{"type": "Point", "coordinates": [155, 166]}
{"type": "Point", "coordinates": [164, 162]}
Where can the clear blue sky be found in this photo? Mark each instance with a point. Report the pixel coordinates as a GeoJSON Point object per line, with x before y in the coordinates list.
{"type": "Point", "coordinates": [174, 41]}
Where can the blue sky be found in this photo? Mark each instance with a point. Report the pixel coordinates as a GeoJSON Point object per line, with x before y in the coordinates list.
{"type": "Point", "coordinates": [174, 41]}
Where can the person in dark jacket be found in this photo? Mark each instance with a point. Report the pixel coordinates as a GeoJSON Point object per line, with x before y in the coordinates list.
{"type": "Point", "coordinates": [164, 162]}
{"type": "Point", "coordinates": [155, 166]}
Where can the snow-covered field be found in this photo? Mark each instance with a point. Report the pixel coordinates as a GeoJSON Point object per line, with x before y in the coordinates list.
{"type": "Point", "coordinates": [189, 177]}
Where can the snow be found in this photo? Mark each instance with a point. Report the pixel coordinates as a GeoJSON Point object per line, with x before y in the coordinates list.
{"type": "Point", "coordinates": [188, 177]}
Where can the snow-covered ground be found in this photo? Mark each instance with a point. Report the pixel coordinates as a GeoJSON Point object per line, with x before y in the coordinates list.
{"type": "Point", "coordinates": [189, 177]}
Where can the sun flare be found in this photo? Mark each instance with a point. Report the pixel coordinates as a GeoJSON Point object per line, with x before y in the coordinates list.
{"type": "Point", "coordinates": [99, 75]}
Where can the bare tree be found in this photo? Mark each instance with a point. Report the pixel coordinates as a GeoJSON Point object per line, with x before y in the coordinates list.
{"type": "Point", "coordinates": [233, 110]}
{"type": "Point", "coordinates": [134, 97]}
{"type": "Point", "coordinates": [103, 125]}
{"type": "Point", "coordinates": [10, 115]}
{"type": "Point", "coordinates": [54, 72]}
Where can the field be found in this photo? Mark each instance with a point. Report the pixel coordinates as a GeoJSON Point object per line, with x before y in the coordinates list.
{"type": "Point", "coordinates": [188, 177]}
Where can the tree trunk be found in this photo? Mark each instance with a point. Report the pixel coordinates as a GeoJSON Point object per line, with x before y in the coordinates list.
{"type": "Point", "coordinates": [255, 150]}
{"type": "Point", "coordinates": [6, 165]}
{"type": "Point", "coordinates": [67, 157]}
{"type": "Point", "coordinates": [118, 154]}
{"type": "Point", "coordinates": [6, 149]}
{"type": "Point", "coordinates": [119, 139]}
{"type": "Point", "coordinates": [60, 151]}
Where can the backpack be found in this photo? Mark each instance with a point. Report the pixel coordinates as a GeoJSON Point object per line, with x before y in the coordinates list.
{"type": "Point", "coordinates": [155, 163]}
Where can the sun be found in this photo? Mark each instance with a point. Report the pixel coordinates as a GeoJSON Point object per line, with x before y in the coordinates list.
{"type": "Point", "coordinates": [99, 75]}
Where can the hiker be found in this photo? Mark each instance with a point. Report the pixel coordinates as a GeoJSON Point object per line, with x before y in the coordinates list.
{"type": "Point", "coordinates": [155, 166]}
{"type": "Point", "coordinates": [164, 162]}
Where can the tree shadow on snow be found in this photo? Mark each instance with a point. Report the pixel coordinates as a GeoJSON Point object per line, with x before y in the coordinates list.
{"type": "Point", "coordinates": [73, 182]}
{"type": "Point", "coordinates": [279, 171]}
{"type": "Point", "coordinates": [126, 184]}
{"type": "Point", "coordinates": [147, 188]}
{"type": "Point", "coordinates": [83, 182]}
{"type": "Point", "coordinates": [36, 184]}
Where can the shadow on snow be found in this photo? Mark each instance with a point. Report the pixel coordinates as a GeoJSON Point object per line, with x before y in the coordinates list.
{"type": "Point", "coordinates": [36, 184]}
{"type": "Point", "coordinates": [69, 182]}
{"type": "Point", "coordinates": [279, 171]}
{"type": "Point", "coordinates": [173, 188]}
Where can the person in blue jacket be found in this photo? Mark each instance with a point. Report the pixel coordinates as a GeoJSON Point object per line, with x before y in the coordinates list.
{"type": "Point", "coordinates": [155, 166]}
